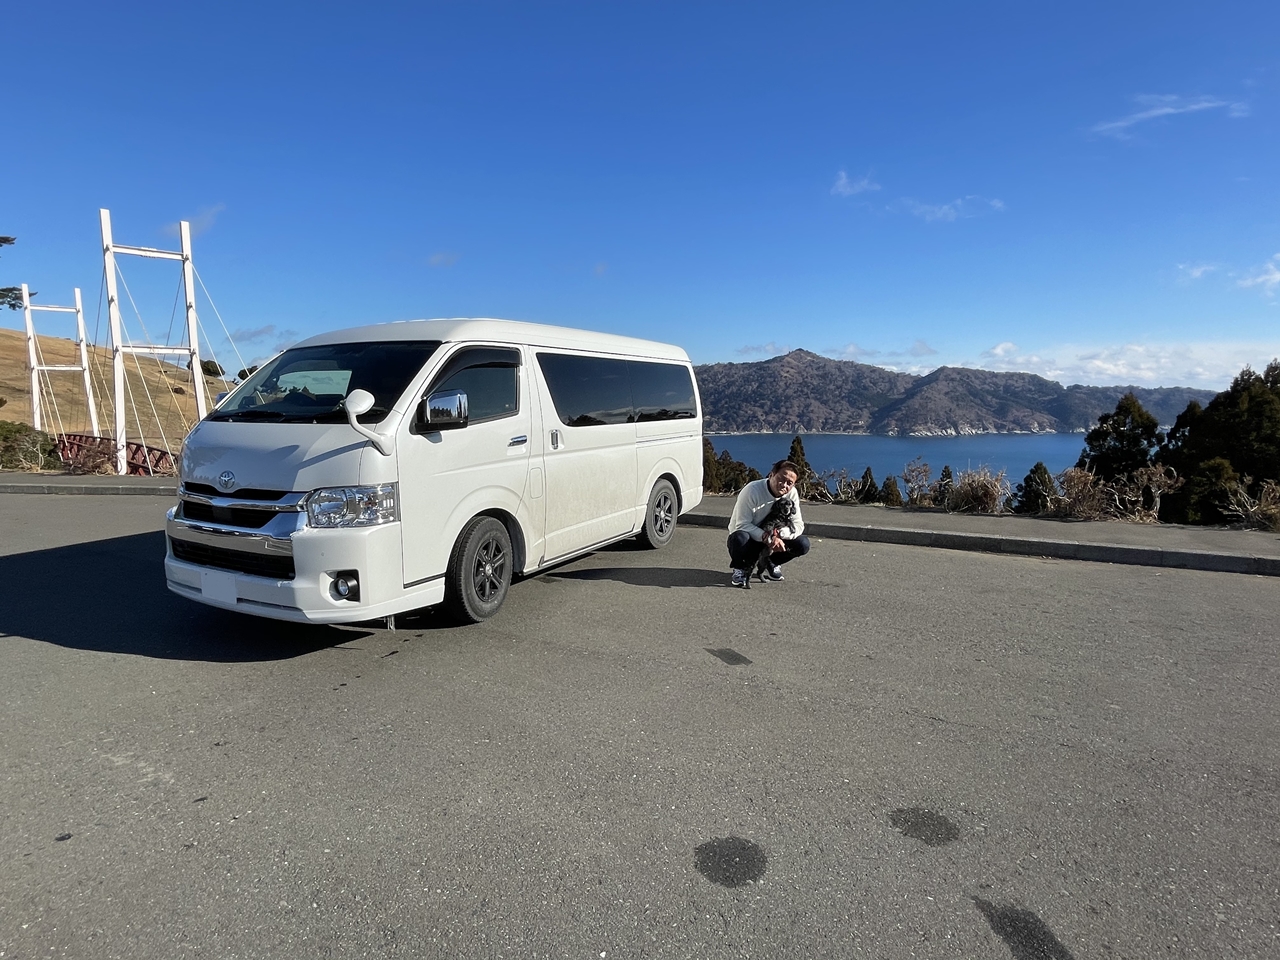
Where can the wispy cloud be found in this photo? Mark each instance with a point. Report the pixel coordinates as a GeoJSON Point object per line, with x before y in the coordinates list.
{"type": "Point", "coordinates": [201, 223]}
{"type": "Point", "coordinates": [442, 259]}
{"type": "Point", "coordinates": [1155, 106]}
{"type": "Point", "coordinates": [600, 269]}
{"type": "Point", "coordinates": [844, 187]}
{"type": "Point", "coordinates": [1194, 271]}
{"type": "Point", "coordinates": [769, 349]}
{"type": "Point", "coordinates": [255, 334]}
{"type": "Point", "coordinates": [1268, 278]}
{"type": "Point", "coordinates": [921, 349]}
{"type": "Point", "coordinates": [962, 208]}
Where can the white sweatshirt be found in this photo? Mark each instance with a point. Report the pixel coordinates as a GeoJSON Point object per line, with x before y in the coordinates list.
{"type": "Point", "coordinates": [753, 505]}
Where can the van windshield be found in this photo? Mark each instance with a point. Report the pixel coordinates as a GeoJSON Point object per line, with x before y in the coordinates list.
{"type": "Point", "coordinates": [308, 384]}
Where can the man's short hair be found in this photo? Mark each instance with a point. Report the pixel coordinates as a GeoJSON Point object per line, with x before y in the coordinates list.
{"type": "Point", "coordinates": [785, 465]}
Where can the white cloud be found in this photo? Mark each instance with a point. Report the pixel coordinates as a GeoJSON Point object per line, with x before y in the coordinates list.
{"type": "Point", "coordinates": [1194, 271]}
{"type": "Point", "coordinates": [851, 351]}
{"type": "Point", "coordinates": [769, 349]}
{"type": "Point", "coordinates": [844, 187]}
{"type": "Point", "coordinates": [1001, 350]}
{"type": "Point", "coordinates": [600, 269]}
{"type": "Point", "coordinates": [921, 349]}
{"type": "Point", "coordinates": [442, 259]}
{"type": "Point", "coordinates": [1268, 279]}
{"type": "Point", "coordinates": [1188, 364]}
{"type": "Point", "coordinates": [1154, 106]}
{"type": "Point", "coordinates": [962, 208]}
{"type": "Point", "coordinates": [200, 223]}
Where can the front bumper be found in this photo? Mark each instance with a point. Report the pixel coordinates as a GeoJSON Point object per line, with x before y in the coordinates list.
{"type": "Point", "coordinates": [286, 569]}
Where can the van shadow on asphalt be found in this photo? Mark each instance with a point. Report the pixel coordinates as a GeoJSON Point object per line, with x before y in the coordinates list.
{"type": "Point", "coordinates": [646, 576]}
{"type": "Point", "coordinates": [110, 597]}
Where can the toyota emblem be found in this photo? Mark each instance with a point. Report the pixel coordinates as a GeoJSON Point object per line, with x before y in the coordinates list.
{"type": "Point", "coordinates": [227, 480]}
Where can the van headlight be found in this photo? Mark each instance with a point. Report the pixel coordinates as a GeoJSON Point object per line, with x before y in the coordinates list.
{"type": "Point", "coordinates": [353, 506]}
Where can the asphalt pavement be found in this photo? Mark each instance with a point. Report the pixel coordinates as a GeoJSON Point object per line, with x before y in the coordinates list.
{"type": "Point", "coordinates": [896, 752]}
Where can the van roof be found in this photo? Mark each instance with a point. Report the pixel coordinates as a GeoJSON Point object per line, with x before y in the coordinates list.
{"type": "Point", "coordinates": [508, 331]}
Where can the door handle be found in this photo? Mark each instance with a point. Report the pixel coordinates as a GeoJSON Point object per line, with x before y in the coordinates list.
{"type": "Point", "coordinates": [555, 439]}
{"type": "Point", "coordinates": [516, 441]}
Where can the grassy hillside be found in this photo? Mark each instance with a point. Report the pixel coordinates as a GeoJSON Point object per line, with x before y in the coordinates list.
{"type": "Point", "coordinates": [159, 401]}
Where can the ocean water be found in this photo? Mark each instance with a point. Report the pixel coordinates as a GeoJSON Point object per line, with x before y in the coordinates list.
{"type": "Point", "coordinates": [1015, 454]}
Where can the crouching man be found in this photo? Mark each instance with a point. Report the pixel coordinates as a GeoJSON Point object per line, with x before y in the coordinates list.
{"type": "Point", "coordinates": [759, 536]}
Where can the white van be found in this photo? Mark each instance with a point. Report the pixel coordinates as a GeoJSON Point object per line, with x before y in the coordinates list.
{"type": "Point", "coordinates": [372, 471]}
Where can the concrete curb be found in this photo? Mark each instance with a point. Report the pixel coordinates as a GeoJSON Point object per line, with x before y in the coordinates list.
{"type": "Point", "coordinates": [1031, 546]}
{"type": "Point", "coordinates": [93, 489]}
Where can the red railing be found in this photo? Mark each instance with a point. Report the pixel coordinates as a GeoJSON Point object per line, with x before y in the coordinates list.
{"type": "Point", "coordinates": [140, 460]}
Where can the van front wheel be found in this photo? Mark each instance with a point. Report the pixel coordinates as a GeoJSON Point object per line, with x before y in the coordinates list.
{"type": "Point", "coordinates": [660, 516]}
{"type": "Point", "coordinates": [479, 571]}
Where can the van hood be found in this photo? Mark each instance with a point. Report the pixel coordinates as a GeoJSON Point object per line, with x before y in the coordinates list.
{"type": "Point", "coordinates": [276, 456]}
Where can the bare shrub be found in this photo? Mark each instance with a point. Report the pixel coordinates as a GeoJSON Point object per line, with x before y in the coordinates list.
{"type": "Point", "coordinates": [917, 476]}
{"type": "Point", "coordinates": [1082, 496]}
{"type": "Point", "coordinates": [1253, 513]}
{"type": "Point", "coordinates": [99, 458]}
{"type": "Point", "coordinates": [978, 491]}
{"type": "Point", "coordinates": [1134, 498]}
{"type": "Point", "coordinates": [814, 489]}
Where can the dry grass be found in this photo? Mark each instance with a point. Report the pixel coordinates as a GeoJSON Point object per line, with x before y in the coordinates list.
{"type": "Point", "coordinates": [174, 413]}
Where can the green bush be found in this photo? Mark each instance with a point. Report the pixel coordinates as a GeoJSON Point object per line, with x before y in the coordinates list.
{"type": "Point", "coordinates": [26, 448]}
{"type": "Point", "coordinates": [1036, 493]}
{"type": "Point", "coordinates": [890, 495]}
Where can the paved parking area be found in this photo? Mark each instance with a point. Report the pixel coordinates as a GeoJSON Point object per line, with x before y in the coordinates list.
{"type": "Point", "coordinates": [898, 752]}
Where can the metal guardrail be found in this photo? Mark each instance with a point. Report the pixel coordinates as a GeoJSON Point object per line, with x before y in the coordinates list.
{"type": "Point", "coordinates": [140, 459]}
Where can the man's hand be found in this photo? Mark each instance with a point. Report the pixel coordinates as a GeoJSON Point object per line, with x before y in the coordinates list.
{"type": "Point", "coordinates": [776, 545]}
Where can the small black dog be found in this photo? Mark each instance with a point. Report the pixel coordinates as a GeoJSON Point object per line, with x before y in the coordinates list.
{"type": "Point", "coordinates": [781, 514]}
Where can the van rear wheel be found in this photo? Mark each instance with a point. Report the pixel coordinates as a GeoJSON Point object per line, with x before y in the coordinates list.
{"type": "Point", "coordinates": [479, 571]}
{"type": "Point", "coordinates": [660, 516]}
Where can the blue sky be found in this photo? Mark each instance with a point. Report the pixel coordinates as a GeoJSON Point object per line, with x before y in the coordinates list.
{"type": "Point", "coordinates": [1089, 191]}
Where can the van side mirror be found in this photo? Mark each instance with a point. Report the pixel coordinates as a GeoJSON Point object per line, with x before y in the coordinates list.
{"type": "Point", "coordinates": [446, 410]}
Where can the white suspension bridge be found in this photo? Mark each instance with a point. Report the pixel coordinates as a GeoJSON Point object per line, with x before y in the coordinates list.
{"type": "Point", "coordinates": [146, 431]}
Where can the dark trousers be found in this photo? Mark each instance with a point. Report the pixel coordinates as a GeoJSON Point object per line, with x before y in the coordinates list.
{"type": "Point", "coordinates": [744, 552]}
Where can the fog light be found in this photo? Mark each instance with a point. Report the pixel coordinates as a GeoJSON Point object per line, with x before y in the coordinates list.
{"type": "Point", "coordinates": [346, 585]}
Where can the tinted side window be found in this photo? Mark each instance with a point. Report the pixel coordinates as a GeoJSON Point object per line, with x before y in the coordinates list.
{"type": "Point", "coordinates": [488, 377]}
{"type": "Point", "coordinates": [587, 391]}
{"type": "Point", "coordinates": [661, 391]}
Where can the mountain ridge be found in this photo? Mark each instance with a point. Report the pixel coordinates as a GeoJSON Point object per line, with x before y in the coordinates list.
{"type": "Point", "coordinates": [804, 392]}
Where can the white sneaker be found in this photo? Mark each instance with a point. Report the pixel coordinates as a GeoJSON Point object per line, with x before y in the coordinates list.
{"type": "Point", "coordinates": [774, 573]}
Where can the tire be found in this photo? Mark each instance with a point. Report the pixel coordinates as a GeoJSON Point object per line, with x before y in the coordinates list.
{"type": "Point", "coordinates": [479, 571]}
{"type": "Point", "coordinates": [660, 516]}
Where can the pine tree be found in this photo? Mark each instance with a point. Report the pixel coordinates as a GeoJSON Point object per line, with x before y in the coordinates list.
{"type": "Point", "coordinates": [1034, 494]}
{"type": "Point", "coordinates": [868, 490]}
{"type": "Point", "coordinates": [1122, 442]}
{"type": "Point", "coordinates": [1236, 435]}
{"type": "Point", "coordinates": [796, 456]}
{"type": "Point", "coordinates": [942, 489]}
{"type": "Point", "coordinates": [890, 495]}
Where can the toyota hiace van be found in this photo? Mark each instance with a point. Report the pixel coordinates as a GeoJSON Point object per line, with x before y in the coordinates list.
{"type": "Point", "coordinates": [376, 470]}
